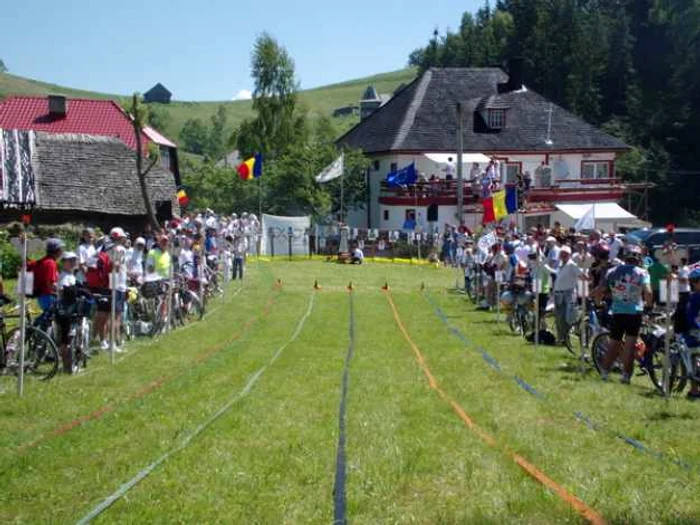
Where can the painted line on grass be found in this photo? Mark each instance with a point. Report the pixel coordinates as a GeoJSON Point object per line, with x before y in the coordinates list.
{"type": "Point", "coordinates": [144, 473]}
{"type": "Point", "coordinates": [578, 505]}
{"type": "Point", "coordinates": [151, 387]}
{"type": "Point", "coordinates": [579, 416]}
{"type": "Point", "coordinates": [339, 493]}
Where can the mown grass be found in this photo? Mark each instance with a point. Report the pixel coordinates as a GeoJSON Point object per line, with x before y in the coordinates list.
{"type": "Point", "coordinates": [271, 457]}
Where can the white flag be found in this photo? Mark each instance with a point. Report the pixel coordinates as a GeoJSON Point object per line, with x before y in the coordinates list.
{"type": "Point", "coordinates": [587, 222]}
{"type": "Point", "coordinates": [332, 171]}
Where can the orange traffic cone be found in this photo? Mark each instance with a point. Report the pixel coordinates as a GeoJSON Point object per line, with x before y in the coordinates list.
{"type": "Point", "coordinates": [350, 287]}
{"type": "Point", "coordinates": [386, 287]}
{"type": "Point", "coordinates": [316, 285]}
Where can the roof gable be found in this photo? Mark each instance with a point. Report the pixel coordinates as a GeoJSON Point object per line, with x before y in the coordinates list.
{"type": "Point", "coordinates": [158, 89]}
{"type": "Point", "coordinates": [422, 117]}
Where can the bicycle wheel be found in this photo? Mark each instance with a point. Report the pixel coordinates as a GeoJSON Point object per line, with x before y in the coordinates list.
{"type": "Point", "coordinates": [569, 338]}
{"type": "Point", "coordinates": [678, 376]}
{"type": "Point", "coordinates": [192, 309]}
{"type": "Point", "coordinates": [599, 347]}
{"type": "Point", "coordinates": [40, 353]}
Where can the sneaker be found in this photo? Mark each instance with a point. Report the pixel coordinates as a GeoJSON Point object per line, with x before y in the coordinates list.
{"type": "Point", "coordinates": [625, 379]}
{"type": "Point", "coordinates": [104, 345]}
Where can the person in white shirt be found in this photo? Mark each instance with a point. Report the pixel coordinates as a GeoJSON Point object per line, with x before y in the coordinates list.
{"type": "Point", "coordinates": [357, 256]}
{"type": "Point", "coordinates": [66, 280]}
{"type": "Point", "coordinates": [582, 257]}
{"type": "Point", "coordinates": [615, 245]}
{"type": "Point", "coordinates": [565, 287]}
{"type": "Point", "coordinates": [186, 259]}
{"type": "Point", "coordinates": [450, 170]}
{"type": "Point", "coordinates": [134, 262]}
{"type": "Point", "coordinates": [87, 254]}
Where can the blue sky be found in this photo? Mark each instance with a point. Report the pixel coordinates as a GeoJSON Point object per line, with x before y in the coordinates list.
{"type": "Point", "coordinates": [201, 50]}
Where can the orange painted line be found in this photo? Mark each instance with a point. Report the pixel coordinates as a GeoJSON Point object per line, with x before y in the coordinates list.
{"type": "Point", "coordinates": [579, 506]}
{"type": "Point", "coordinates": [151, 387]}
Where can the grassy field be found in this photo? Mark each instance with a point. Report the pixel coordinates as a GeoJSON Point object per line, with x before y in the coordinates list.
{"type": "Point", "coordinates": [318, 101]}
{"type": "Point", "coordinates": [236, 419]}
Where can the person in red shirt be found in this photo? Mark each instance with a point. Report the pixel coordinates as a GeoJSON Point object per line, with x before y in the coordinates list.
{"type": "Point", "coordinates": [46, 274]}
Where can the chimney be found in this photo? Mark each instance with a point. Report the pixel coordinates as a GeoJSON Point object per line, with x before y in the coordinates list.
{"type": "Point", "coordinates": [58, 106]}
{"type": "Point", "coordinates": [516, 66]}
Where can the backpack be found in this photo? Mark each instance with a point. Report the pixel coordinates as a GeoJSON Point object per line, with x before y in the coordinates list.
{"type": "Point", "coordinates": [31, 266]}
{"type": "Point", "coordinates": [98, 276]}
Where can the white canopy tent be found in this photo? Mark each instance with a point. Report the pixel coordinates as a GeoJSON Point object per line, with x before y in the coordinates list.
{"type": "Point", "coordinates": [467, 158]}
{"type": "Point", "coordinates": [608, 215]}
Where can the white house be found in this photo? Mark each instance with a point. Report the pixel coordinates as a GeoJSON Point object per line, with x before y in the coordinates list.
{"type": "Point", "coordinates": [571, 162]}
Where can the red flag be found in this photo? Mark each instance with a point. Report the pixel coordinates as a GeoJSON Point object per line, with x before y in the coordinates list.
{"type": "Point", "coordinates": [489, 212]}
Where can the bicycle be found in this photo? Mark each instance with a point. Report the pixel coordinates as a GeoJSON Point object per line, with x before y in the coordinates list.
{"type": "Point", "coordinates": [685, 364]}
{"type": "Point", "coordinates": [79, 329]}
{"type": "Point", "coordinates": [649, 352]}
{"type": "Point", "coordinates": [40, 352]}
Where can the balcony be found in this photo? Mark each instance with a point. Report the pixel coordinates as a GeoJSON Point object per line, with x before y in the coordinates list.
{"type": "Point", "coordinates": [444, 192]}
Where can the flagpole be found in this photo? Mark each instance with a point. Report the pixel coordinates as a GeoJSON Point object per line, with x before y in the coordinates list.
{"type": "Point", "coordinates": [342, 188]}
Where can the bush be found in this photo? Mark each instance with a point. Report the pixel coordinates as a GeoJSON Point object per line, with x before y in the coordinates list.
{"type": "Point", "coordinates": [9, 258]}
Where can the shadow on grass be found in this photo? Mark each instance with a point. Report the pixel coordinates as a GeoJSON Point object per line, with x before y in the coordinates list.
{"type": "Point", "coordinates": [665, 415]}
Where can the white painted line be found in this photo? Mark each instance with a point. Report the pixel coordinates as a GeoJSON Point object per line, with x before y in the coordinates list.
{"type": "Point", "coordinates": [126, 487]}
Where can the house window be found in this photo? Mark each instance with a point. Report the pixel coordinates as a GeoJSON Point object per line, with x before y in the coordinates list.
{"type": "Point", "coordinates": [376, 165]}
{"type": "Point", "coordinates": [394, 167]}
{"type": "Point", "coordinates": [386, 215]}
{"type": "Point", "coordinates": [592, 170]}
{"type": "Point", "coordinates": [410, 214]}
{"type": "Point", "coordinates": [513, 169]}
{"type": "Point", "coordinates": [164, 158]}
{"type": "Point", "coordinates": [496, 118]}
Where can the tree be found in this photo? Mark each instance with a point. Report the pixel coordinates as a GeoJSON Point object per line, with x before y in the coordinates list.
{"type": "Point", "coordinates": [217, 139]}
{"type": "Point", "coordinates": [3, 67]}
{"type": "Point", "coordinates": [138, 114]}
{"type": "Point", "coordinates": [194, 136]}
{"type": "Point", "coordinates": [158, 117]}
{"type": "Point", "coordinates": [276, 124]}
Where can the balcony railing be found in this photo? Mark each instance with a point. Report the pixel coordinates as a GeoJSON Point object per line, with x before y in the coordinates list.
{"type": "Point", "coordinates": [444, 192]}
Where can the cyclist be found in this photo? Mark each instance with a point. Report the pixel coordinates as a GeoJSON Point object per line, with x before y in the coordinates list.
{"type": "Point", "coordinates": [159, 258]}
{"type": "Point", "coordinates": [66, 297]}
{"type": "Point", "coordinates": [692, 336]}
{"type": "Point", "coordinates": [629, 285]}
{"type": "Point", "coordinates": [46, 275]}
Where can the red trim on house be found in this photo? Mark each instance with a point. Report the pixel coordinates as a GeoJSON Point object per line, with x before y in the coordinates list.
{"type": "Point", "coordinates": [531, 152]}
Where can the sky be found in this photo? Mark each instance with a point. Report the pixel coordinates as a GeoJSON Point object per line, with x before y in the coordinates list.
{"type": "Point", "coordinates": [201, 50]}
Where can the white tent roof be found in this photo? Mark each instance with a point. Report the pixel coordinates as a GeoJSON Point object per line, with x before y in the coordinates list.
{"type": "Point", "coordinates": [467, 158]}
{"type": "Point", "coordinates": [604, 211]}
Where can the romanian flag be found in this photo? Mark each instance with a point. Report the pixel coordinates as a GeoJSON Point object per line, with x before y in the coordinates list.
{"type": "Point", "coordinates": [500, 209]}
{"type": "Point", "coordinates": [182, 198]}
{"type": "Point", "coordinates": [251, 168]}
{"type": "Point", "coordinates": [489, 213]}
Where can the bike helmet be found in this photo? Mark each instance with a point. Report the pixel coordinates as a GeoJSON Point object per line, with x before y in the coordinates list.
{"type": "Point", "coordinates": [633, 252]}
{"type": "Point", "coordinates": [695, 274]}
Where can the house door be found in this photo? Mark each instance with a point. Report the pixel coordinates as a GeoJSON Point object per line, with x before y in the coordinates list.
{"type": "Point", "coordinates": [433, 213]}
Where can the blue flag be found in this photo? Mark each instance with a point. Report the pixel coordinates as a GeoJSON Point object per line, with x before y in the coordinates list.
{"type": "Point", "coordinates": [511, 199]}
{"type": "Point", "coordinates": [403, 177]}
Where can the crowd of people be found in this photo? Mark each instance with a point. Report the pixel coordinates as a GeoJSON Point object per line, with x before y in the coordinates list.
{"type": "Point", "coordinates": [558, 264]}
{"type": "Point", "coordinates": [188, 246]}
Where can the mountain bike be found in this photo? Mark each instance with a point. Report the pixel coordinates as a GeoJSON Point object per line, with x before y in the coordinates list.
{"type": "Point", "coordinates": [685, 364]}
{"type": "Point", "coordinates": [40, 352]}
{"type": "Point", "coordinates": [649, 351]}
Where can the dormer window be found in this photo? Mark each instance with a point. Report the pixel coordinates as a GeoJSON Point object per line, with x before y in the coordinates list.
{"type": "Point", "coordinates": [496, 118]}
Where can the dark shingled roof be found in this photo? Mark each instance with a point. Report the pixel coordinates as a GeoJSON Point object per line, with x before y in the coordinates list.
{"type": "Point", "coordinates": [93, 174]}
{"type": "Point", "coordinates": [422, 117]}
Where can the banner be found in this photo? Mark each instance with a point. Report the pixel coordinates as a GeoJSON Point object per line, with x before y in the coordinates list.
{"type": "Point", "coordinates": [404, 177]}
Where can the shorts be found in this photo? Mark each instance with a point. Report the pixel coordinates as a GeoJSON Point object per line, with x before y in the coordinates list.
{"type": "Point", "coordinates": [46, 302]}
{"type": "Point", "coordinates": [104, 301]}
{"type": "Point", "coordinates": [625, 325]}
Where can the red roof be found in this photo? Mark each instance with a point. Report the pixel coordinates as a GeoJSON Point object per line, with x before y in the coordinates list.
{"type": "Point", "coordinates": [84, 116]}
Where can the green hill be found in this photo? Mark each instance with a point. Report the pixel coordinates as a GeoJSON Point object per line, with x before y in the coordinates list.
{"type": "Point", "coordinates": [319, 101]}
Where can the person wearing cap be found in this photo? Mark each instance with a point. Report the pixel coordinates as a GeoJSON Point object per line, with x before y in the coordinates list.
{"type": "Point", "coordinates": [565, 285]}
{"type": "Point", "coordinates": [66, 282]}
{"type": "Point", "coordinates": [46, 274]}
{"type": "Point", "coordinates": [158, 260]}
{"type": "Point", "coordinates": [135, 262]}
{"type": "Point", "coordinates": [630, 288]}
{"type": "Point", "coordinates": [551, 252]}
